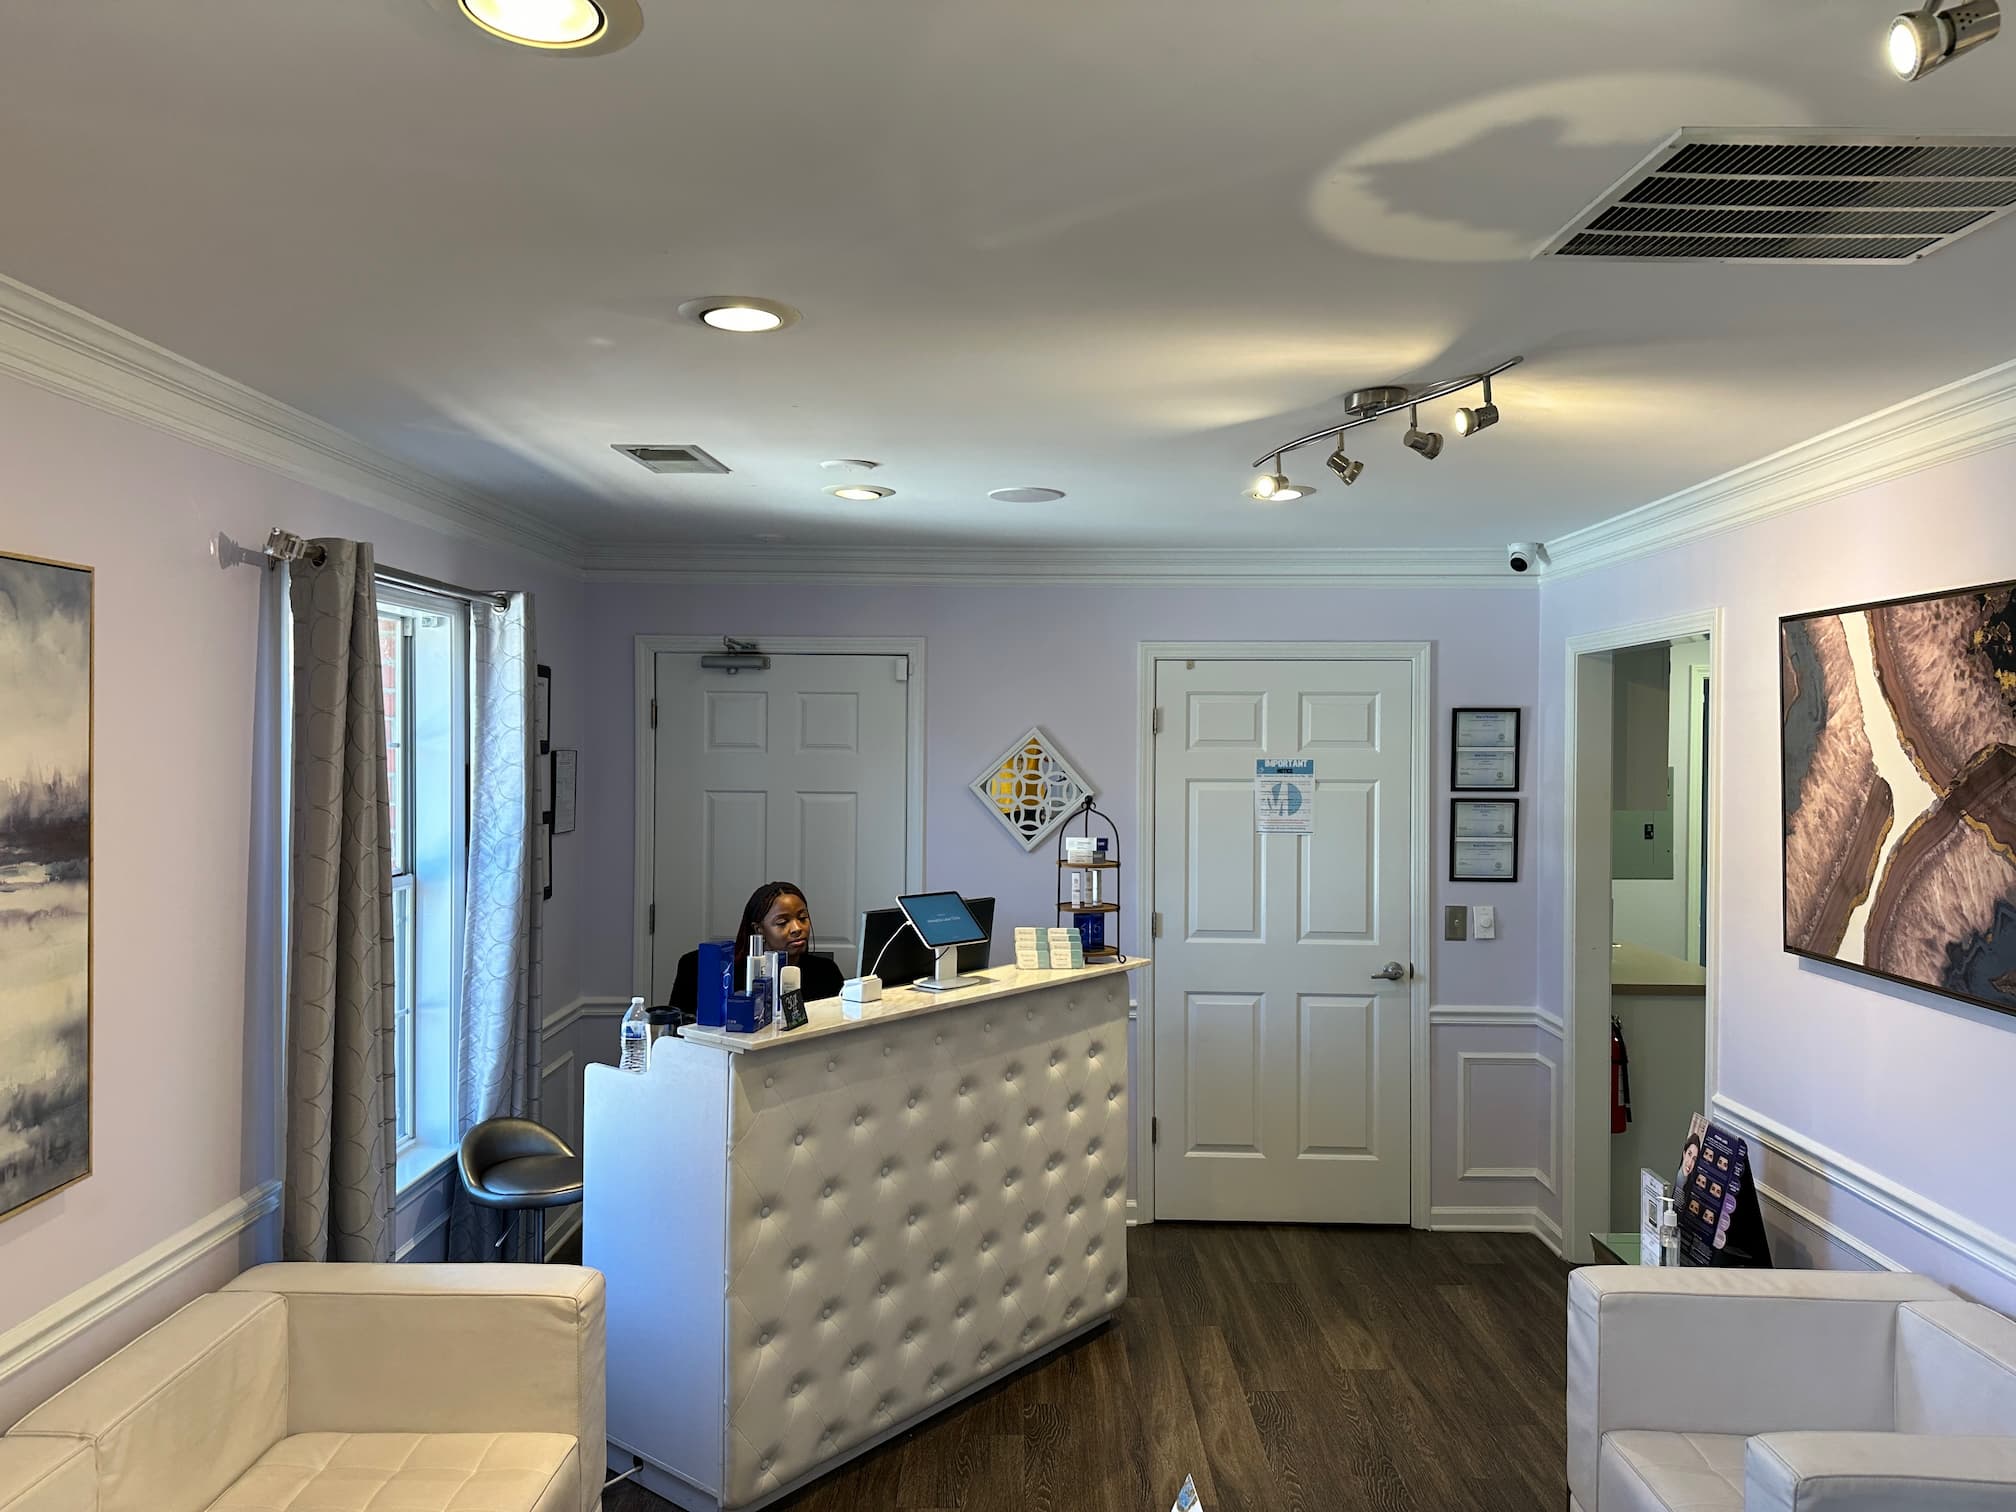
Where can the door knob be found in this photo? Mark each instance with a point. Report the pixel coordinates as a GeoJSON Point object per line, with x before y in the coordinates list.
{"type": "Point", "coordinates": [1394, 972]}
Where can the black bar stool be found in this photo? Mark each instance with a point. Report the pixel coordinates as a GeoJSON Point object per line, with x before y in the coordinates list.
{"type": "Point", "coordinates": [514, 1163]}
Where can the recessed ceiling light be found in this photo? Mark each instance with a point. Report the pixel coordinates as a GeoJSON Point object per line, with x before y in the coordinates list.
{"type": "Point", "coordinates": [860, 493]}
{"type": "Point", "coordinates": [1026, 495]}
{"type": "Point", "coordinates": [579, 27]}
{"type": "Point", "coordinates": [740, 313]}
{"type": "Point", "coordinates": [849, 464]}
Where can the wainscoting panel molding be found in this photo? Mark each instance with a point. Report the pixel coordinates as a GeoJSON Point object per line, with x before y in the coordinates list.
{"type": "Point", "coordinates": [1904, 1229]}
{"type": "Point", "coordinates": [67, 1317]}
{"type": "Point", "coordinates": [1468, 1169]}
{"type": "Point", "coordinates": [1497, 1220]}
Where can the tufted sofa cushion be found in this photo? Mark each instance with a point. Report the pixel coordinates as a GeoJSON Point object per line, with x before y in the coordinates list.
{"type": "Point", "coordinates": [873, 1272]}
{"type": "Point", "coordinates": [410, 1472]}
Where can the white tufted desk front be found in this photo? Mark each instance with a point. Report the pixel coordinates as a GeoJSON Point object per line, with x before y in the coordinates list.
{"type": "Point", "coordinates": [813, 1240]}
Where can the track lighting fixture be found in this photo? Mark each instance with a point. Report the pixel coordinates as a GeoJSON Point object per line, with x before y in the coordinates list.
{"type": "Point", "coordinates": [1363, 406]}
{"type": "Point", "coordinates": [1427, 443]}
{"type": "Point", "coordinates": [1473, 418]}
{"type": "Point", "coordinates": [1919, 41]}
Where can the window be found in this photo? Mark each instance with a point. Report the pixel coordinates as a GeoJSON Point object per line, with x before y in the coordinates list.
{"type": "Point", "coordinates": [423, 648]}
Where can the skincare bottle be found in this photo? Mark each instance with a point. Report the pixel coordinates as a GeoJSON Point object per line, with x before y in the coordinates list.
{"type": "Point", "coordinates": [1669, 1234]}
{"type": "Point", "coordinates": [1077, 888]}
{"type": "Point", "coordinates": [1091, 887]}
{"type": "Point", "coordinates": [749, 963]}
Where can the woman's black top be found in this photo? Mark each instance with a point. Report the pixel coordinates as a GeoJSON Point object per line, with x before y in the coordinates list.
{"type": "Point", "coordinates": [818, 977]}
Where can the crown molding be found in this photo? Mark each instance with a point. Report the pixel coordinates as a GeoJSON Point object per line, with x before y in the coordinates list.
{"type": "Point", "coordinates": [68, 351]}
{"type": "Point", "coordinates": [976, 566]}
{"type": "Point", "coordinates": [1975, 414]}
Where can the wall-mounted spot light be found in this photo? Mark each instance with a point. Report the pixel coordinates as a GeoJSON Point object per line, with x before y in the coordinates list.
{"type": "Point", "coordinates": [1473, 418]}
{"type": "Point", "coordinates": [1427, 443]}
{"type": "Point", "coordinates": [1921, 40]}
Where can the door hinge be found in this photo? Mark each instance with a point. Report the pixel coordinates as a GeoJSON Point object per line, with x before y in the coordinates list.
{"type": "Point", "coordinates": [654, 713]}
{"type": "Point", "coordinates": [1155, 725]}
{"type": "Point", "coordinates": [651, 921]}
{"type": "Point", "coordinates": [1154, 1130]}
{"type": "Point", "coordinates": [1155, 926]}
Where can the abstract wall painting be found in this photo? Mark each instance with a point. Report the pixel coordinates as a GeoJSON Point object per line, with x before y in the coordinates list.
{"type": "Point", "coordinates": [1900, 790]}
{"type": "Point", "coordinates": [45, 879]}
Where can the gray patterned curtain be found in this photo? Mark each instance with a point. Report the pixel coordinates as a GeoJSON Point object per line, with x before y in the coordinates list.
{"type": "Point", "coordinates": [341, 1139]}
{"type": "Point", "coordinates": [497, 1054]}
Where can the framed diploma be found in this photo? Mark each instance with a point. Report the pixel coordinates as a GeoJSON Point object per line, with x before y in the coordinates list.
{"type": "Point", "coordinates": [1484, 840]}
{"type": "Point", "coordinates": [1484, 751]}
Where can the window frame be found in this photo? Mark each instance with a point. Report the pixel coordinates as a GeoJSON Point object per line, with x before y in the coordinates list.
{"type": "Point", "coordinates": [433, 871]}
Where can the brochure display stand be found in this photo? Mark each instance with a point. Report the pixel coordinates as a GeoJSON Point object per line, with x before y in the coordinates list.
{"type": "Point", "coordinates": [1720, 1222]}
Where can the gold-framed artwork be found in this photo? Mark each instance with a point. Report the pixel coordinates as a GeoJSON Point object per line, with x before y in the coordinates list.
{"type": "Point", "coordinates": [45, 878]}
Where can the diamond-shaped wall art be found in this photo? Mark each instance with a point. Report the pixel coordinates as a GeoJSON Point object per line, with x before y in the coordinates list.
{"type": "Point", "coordinates": [1032, 789]}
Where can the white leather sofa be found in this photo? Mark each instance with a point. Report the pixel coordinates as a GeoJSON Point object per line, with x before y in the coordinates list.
{"type": "Point", "coordinates": [1786, 1391]}
{"type": "Point", "coordinates": [337, 1388]}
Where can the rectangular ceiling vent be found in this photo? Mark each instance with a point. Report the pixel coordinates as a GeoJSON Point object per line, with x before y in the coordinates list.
{"type": "Point", "coordinates": [672, 459]}
{"type": "Point", "coordinates": [1797, 197]}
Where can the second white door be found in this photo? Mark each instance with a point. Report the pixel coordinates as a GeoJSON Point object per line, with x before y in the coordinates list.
{"type": "Point", "coordinates": [798, 774]}
{"type": "Point", "coordinates": [1283, 1056]}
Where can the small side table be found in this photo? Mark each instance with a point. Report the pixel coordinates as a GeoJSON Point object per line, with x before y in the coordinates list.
{"type": "Point", "coordinates": [1616, 1249]}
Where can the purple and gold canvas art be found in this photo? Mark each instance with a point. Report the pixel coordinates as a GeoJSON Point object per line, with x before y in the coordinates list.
{"type": "Point", "coordinates": [45, 879]}
{"type": "Point", "coordinates": [1900, 790]}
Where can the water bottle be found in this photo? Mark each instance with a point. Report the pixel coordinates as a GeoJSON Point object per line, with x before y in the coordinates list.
{"type": "Point", "coordinates": [636, 1037]}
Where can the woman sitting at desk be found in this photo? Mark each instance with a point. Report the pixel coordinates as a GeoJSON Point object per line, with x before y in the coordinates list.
{"type": "Point", "coordinates": [776, 911]}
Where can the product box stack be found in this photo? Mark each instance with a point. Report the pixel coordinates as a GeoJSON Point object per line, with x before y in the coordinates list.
{"type": "Point", "coordinates": [1048, 949]}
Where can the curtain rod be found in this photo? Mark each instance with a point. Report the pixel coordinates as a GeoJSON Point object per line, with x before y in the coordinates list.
{"type": "Point", "coordinates": [285, 546]}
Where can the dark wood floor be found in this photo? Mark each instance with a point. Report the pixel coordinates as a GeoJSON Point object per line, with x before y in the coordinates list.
{"type": "Point", "coordinates": [1287, 1369]}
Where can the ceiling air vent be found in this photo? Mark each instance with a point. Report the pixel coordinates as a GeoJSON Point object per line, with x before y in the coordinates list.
{"type": "Point", "coordinates": [672, 459]}
{"type": "Point", "coordinates": [1802, 197]}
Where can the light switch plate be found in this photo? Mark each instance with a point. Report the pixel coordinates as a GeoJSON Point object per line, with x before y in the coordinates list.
{"type": "Point", "coordinates": [1455, 922]}
{"type": "Point", "coordinates": [1487, 922]}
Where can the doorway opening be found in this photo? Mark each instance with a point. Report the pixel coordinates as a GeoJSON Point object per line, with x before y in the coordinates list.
{"type": "Point", "coordinates": [1641, 798]}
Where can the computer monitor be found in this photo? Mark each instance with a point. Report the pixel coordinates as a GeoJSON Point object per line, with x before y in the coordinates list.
{"type": "Point", "coordinates": [886, 935]}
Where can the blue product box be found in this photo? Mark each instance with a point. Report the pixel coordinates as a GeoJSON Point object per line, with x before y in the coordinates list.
{"type": "Point", "coordinates": [717, 980]}
{"type": "Point", "coordinates": [1091, 930]}
{"type": "Point", "coordinates": [746, 1013]}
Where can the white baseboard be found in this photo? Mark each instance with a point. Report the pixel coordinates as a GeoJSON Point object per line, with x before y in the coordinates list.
{"type": "Point", "coordinates": [1963, 1237]}
{"type": "Point", "coordinates": [1497, 1220]}
{"type": "Point", "coordinates": [67, 1317]}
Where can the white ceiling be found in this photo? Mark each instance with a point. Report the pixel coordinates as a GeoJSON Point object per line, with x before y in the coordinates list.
{"type": "Point", "coordinates": [1117, 247]}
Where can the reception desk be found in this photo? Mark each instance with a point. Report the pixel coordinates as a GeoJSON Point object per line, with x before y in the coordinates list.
{"type": "Point", "coordinates": [813, 1240]}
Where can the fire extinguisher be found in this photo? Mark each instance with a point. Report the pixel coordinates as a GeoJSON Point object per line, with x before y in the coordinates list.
{"type": "Point", "coordinates": [1620, 1080]}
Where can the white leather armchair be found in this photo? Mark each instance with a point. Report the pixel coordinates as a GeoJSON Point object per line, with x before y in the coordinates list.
{"type": "Point", "coordinates": [1786, 1391]}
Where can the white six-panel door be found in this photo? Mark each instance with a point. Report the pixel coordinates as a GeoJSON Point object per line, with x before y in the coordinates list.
{"type": "Point", "coordinates": [1283, 1062]}
{"type": "Point", "coordinates": [799, 773]}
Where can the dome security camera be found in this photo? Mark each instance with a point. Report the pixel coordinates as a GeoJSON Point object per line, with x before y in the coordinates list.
{"type": "Point", "coordinates": [1524, 556]}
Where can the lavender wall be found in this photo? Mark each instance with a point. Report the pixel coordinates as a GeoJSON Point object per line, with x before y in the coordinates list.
{"type": "Point", "coordinates": [1911, 1087]}
{"type": "Point", "coordinates": [1002, 659]}
{"type": "Point", "coordinates": [182, 1091]}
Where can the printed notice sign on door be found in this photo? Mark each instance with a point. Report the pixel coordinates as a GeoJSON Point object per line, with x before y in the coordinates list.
{"type": "Point", "coordinates": [1284, 797]}
{"type": "Point", "coordinates": [1186, 1499]}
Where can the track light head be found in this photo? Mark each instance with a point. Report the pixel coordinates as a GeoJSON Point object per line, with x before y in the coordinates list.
{"type": "Point", "coordinates": [1269, 485]}
{"type": "Point", "coordinates": [1474, 418]}
{"type": "Point", "coordinates": [1921, 40]}
{"type": "Point", "coordinates": [1347, 469]}
{"type": "Point", "coordinates": [1427, 443]}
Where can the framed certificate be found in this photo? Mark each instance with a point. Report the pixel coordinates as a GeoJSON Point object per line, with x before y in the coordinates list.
{"type": "Point", "coordinates": [1484, 751]}
{"type": "Point", "coordinates": [1484, 840]}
